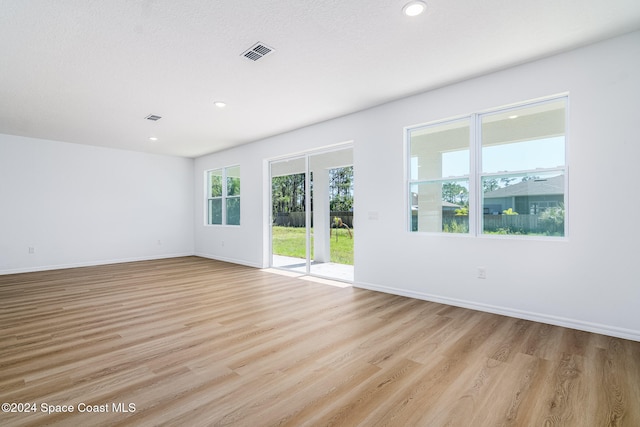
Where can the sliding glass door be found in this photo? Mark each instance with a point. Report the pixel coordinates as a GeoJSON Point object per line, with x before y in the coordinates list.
{"type": "Point", "coordinates": [312, 214]}
{"type": "Point", "coordinates": [289, 231]}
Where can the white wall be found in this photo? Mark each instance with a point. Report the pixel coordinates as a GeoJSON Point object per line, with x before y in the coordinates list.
{"type": "Point", "coordinates": [81, 205]}
{"type": "Point", "coordinates": [587, 282]}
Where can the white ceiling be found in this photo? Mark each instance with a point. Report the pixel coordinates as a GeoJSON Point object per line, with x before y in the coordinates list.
{"type": "Point", "coordinates": [89, 72]}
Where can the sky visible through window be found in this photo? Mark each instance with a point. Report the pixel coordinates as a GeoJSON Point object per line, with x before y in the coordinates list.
{"type": "Point", "coordinates": [527, 155]}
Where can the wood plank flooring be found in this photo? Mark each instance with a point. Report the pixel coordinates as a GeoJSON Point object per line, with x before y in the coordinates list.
{"type": "Point", "coordinates": [196, 342]}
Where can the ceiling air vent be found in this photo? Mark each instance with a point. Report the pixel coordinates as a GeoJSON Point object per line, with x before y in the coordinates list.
{"type": "Point", "coordinates": [153, 117]}
{"type": "Point", "coordinates": [257, 51]}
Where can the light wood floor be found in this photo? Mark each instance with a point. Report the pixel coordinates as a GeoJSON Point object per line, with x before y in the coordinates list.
{"type": "Point", "coordinates": [194, 342]}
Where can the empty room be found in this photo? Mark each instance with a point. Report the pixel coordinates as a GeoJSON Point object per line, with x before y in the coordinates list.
{"type": "Point", "coordinates": [277, 212]}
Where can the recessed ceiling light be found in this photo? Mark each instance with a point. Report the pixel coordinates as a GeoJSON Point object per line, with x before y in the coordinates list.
{"type": "Point", "coordinates": [153, 138]}
{"type": "Point", "coordinates": [414, 8]}
{"type": "Point", "coordinates": [220, 104]}
{"type": "Point", "coordinates": [515, 116]}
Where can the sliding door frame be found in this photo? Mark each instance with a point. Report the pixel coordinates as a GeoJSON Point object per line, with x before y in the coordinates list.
{"type": "Point", "coordinates": [308, 199]}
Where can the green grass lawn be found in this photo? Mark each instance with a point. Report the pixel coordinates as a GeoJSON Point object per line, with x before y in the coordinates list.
{"type": "Point", "coordinates": [290, 241]}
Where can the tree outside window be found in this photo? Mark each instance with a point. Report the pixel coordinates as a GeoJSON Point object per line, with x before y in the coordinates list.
{"type": "Point", "coordinates": [223, 196]}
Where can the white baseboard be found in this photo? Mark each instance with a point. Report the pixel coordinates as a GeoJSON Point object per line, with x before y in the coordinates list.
{"type": "Point", "coordinates": [90, 263]}
{"type": "Point", "coordinates": [519, 314]}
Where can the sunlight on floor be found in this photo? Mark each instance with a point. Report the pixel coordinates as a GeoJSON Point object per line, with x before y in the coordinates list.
{"type": "Point", "coordinates": [282, 272]}
{"type": "Point", "coordinates": [326, 281]}
{"type": "Point", "coordinates": [301, 276]}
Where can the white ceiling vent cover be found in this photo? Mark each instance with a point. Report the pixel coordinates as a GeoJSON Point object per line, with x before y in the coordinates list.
{"type": "Point", "coordinates": [257, 51]}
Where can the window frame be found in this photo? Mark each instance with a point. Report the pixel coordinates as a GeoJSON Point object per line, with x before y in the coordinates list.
{"type": "Point", "coordinates": [476, 174]}
{"type": "Point", "coordinates": [452, 123]}
{"type": "Point", "coordinates": [223, 172]}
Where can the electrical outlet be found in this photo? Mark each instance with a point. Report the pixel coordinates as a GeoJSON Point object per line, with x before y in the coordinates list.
{"type": "Point", "coordinates": [223, 243]}
{"type": "Point", "coordinates": [32, 250]}
{"type": "Point", "coordinates": [159, 242]}
{"type": "Point", "coordinates": [482, 273]}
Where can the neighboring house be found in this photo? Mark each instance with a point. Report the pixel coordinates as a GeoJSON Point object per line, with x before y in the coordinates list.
{"type": "Point", "coordinates": [527, 197]}
{"type": "Point", "coordinates": [449, 207]}
{"type": "Point", "coordinates": [446, 206]}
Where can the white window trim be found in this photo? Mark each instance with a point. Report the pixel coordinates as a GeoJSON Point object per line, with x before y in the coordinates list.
{"type": "Point", "coordinates": [224, 197]}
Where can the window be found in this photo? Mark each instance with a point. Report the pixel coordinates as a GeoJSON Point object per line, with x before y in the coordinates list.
{"type": "Point", "coordinates": [223, 196]}
{"type": "Point", "coordinates": [440, 177]}
{"type": "Point", "coordinates": [501, 172]}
